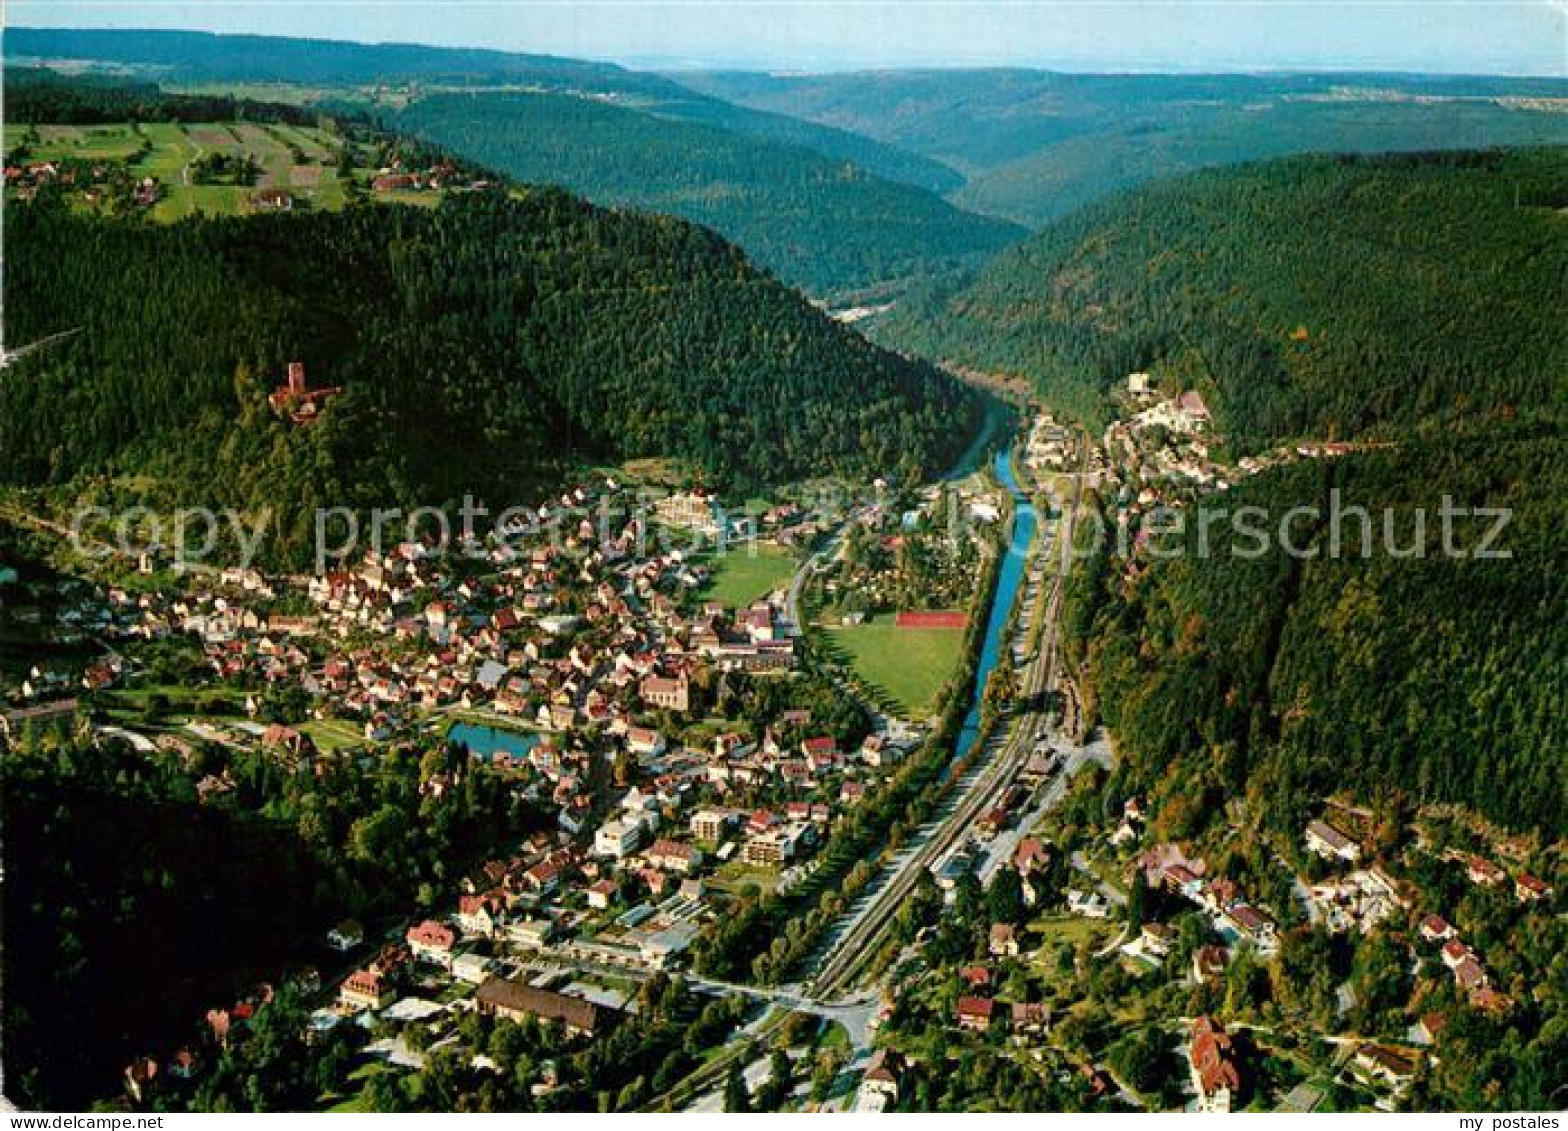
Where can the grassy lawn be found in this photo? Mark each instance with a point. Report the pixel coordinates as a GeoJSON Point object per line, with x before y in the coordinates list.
{"type": "Point", "coordinates": [1054, 930]}
{"type": "Point", "coordinates": [181, 699]}
{"type": "Point", "coordinates": [835, 1037]}
{"type": "Point", "coordinates": [172, 149]}
{"type": "Point", "coordinates": [332, 735]}
{"type": "Point", "coordinates": [739, 577]}
{"type": "Point", "coordinates": [293, 94]}
{"type": "Point", "coordinates": [906, 666]}
{"type": "Point", "coordinates": [658, 471]}
{"type": "Point", "coordinates": [732, 877]}
{"type": "Point", "coordinates": [355, 1102]}
{"type": "Point", "coordinates": [309, 140]}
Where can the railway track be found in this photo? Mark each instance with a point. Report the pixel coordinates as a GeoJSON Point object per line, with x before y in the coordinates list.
{"type": "Point", "coordinates": [845, 957]}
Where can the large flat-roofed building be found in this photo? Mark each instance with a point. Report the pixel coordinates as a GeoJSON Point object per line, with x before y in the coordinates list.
{"type": "Point", "coordinates": [618, 838]}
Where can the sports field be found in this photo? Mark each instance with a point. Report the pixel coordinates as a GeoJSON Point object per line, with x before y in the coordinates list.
{"type": "Point", "coordinates": [906, 667]}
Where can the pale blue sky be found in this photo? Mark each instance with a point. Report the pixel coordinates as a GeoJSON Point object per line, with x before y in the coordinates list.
{"type": "Point", "coordinates": [1477, 36]}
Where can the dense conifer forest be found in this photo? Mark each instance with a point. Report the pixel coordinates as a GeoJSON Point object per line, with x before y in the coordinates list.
{"type": "Point", "coordinates": [1322, 296]}
{"type": "Point", "coordinates": [1409, 677]}
{"type": "Point", "coordinates": [40, 95]}
{"type": "Point", "coordinates": [822, 224]}
{"type": "Point", "coordinates": [484, 346]}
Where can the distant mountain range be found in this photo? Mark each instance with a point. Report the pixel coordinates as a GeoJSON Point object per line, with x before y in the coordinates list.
{"type": "Point", "coordinates": [829, 211]}
{"type": "Point", "coordinates": [1034, 145]}
{"type": "Point", "coordinates": [847, 185]}
{"type": "Point", "coordinates": [195, 55]}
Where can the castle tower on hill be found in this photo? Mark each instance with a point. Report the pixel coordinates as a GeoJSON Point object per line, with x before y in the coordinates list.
{"type": "Point", "coordinates": [297, 399]}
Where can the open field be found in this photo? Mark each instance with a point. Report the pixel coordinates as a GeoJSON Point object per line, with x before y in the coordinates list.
{"type": "Point", "coordinates": [1055, 930]}
{"type": "Point", "coordinates": [110, 142]}
{"type": "Point", "coordinates": [906, 665]}
{"type": "Point", "coordinates": [301, 159]}
{"type": "Point", "coordinates": [332, 735]}
{"type": "Point", "coordinates": [739, 578]}
{"type": "Point", "coordinates": [288, 93]}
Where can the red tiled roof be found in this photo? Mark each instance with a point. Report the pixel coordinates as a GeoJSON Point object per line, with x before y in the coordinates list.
{"type": "Point", "coordinates": [431, 934]}
{"type": "Point", "coordinates": [976, 1007]}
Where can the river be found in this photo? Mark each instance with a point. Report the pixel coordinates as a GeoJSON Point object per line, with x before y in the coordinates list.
{"type": "Point", "coordinates": [1013, 572]}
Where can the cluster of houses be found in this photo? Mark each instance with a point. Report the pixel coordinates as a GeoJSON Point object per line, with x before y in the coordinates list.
{"type": "Point", "coordinates": [633, 894]}
{"type": "Point", "coordinates": [94, 180]}
{"type": "Point", "coordinates": [1367, 896]}
{"type": "Point", "coordinates": [871, 573]}
{"type": "Point", "coordinates": [587, 648]}
{"type": "Point", "coordinates": [1233, 916]}
{"type": "Point", "coordinates": [1049, 447]}
{"type": "Point", "coordinates": [1215, 1067]}
{"type": "Point", "coordinates": [632, 890]}
{"type": "Point", "coordinates": [44, 693]}
{"type": "Point", "coordinates": [1360, 899]}
{"type": "Point", "coordinates": [1484, 873]}
{"type": "Point", "coordinates": [581, 638]}
{"type": "Point", "coordinates": [1468, 971]}
{"type": "Point", "coordinates": [223, 1025]}
{"type": "Point", "coordinates": [1161, 454]}
{"type": "Point", "coordinates": [978, 1010]}
{"type": "Point", "coordinates": [501, 644]}
{"type": "Point", "coordinates": [442, 175]}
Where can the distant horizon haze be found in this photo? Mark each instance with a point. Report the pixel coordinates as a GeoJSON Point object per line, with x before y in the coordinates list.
{"type": "Point", "coordinates": [1526, 38]}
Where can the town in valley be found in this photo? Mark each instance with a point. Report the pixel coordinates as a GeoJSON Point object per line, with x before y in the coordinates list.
{"type": "Point", "coordinates": [533, 585]}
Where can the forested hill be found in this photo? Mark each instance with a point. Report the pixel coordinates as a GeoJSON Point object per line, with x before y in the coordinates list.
{"type": "Point", "coordinates": [822, 224]}
{"type": "Point", "coordinates": [1036, 145]}
{"type": "Point", "coordinates": [1399, 677]}
{"type": "Point", "coordinates": [1416, 298]}
{"type": "Point", "coordinates": [339, 73]}
{"type": "Point", "coordinates": [482, 346]}
{"type": "Point", "coordinates": [200, 55]}
{"type": "Point", "coordinates": [1315, 296]}
{"type": "Point", "coordinates": [37, 95]}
